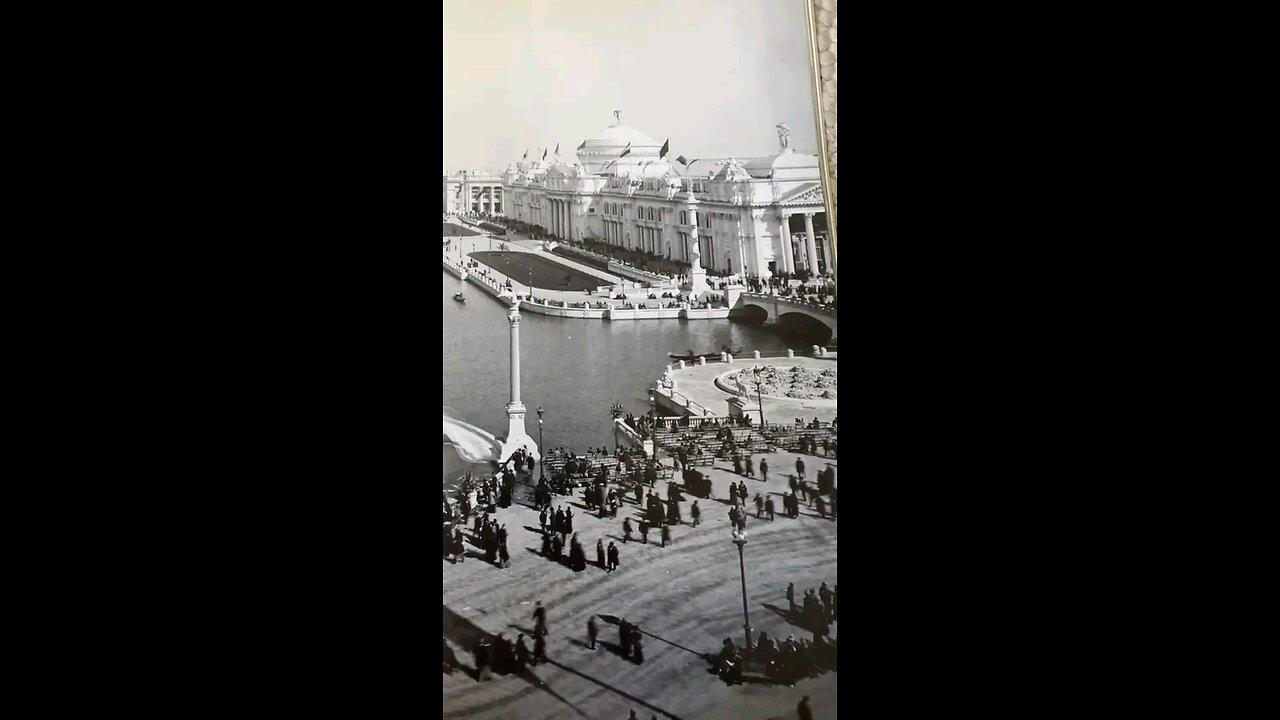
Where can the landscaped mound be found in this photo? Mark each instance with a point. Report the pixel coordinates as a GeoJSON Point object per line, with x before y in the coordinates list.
{"type": "Point", "coordinates": [797, 383]}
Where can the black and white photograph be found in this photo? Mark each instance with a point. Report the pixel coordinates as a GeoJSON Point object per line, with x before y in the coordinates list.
{"type": "Point", "coordinates": [639, 377]}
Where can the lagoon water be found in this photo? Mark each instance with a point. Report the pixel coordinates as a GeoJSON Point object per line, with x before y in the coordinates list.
{"type": "Point", "coordinates": [574, 368]}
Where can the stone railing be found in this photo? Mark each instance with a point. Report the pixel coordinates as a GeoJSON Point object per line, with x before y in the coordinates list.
{"type": "Point", "coordinates": [826, 309]}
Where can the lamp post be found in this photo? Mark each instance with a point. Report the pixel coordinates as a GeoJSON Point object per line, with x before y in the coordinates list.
{"type": "Point", "coordinates": [759, 398]}
{"type": "Point", "coordinates": [541, 448]}
{"type": "Point", "coordinates": [740, 539]}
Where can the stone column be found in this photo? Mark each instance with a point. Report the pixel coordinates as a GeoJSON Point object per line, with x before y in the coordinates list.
{"type": "Point", "coordinates": [784, 231]}
{"type": "Point", "coordinates": [697, 275]}
{"type": "Point", "coordinates": [810, 244]}
{"type": "Point", "coordinates": [517, 436]}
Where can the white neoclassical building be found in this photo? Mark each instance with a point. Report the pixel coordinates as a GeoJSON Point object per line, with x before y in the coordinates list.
{"type": "Point", "coordinates": [753, 216]}
{"type": "Point", "coordinates": [474, 191]}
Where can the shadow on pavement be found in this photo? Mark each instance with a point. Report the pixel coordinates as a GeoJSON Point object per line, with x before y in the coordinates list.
{"type": "Point", "coordinates": [463, 632]}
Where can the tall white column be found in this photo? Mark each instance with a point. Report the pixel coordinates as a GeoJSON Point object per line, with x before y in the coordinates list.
{"type": "Point", "coordinates": [811, 244]}
{"type": "Point", "coordinates": [513, 319]}
{"type": "Point", "coordinates": [784, 232]}
{"type": "Point", "coordinates": [517, 436]}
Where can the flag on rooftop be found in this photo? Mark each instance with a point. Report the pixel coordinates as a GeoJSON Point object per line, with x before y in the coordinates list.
{"type": "Point", "coordinates": [666, 147]}
{"type": "Point", "coordinates": [557, 148]}
{"type": "Point", "coordinates": [544, 153]}
{"type": "Point", "coordinates": [626, 151]}
{"type": "Point", "coordinates": [683, 161]}
{"type": "Point", "coordinates": [526, 154]}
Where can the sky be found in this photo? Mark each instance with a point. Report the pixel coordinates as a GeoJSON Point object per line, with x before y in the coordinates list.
{"type": "Point", "coordinates": [714, 76]}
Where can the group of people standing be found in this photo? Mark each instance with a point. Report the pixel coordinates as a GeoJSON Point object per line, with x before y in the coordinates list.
{"type": "Point", "coordinates": [819, 607]}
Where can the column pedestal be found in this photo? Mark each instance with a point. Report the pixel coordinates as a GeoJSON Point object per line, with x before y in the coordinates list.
{"type": "Point", "coordinates": [517, 436]}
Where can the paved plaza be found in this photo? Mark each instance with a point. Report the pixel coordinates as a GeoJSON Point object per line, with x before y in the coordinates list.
{"type": "Point", "coordinates": [686, 597]}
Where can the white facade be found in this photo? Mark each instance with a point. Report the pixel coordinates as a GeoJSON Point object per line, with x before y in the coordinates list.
{"type": "Point", "coordinates": [755, 216]}
{"type": "Point", "coordinates": [474, 191]}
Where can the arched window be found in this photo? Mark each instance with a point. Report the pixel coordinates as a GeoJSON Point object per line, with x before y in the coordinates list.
{"type": "Point", "coordinates": [639, 213]}
{"type": "Point", "coordinates": [684, 218]}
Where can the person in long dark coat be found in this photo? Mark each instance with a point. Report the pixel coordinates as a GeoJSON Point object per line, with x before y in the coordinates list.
{"type": "Point", "coordinates": [600, 553]}
{"type": "Point", "coordinates": [759, 505]}
{"type": "Point", "coordinates": [546, 544]}
{"type": "Point", "coordinates": [539, 649]}
{"type": "Point", "coordinates": [459, 548]}
{"type": "Point", "coordinates": [539, 619]}
{"type": "Point", "coordinates": [695, 513]}
{"type": "Point", "coordinates": [522, 654]}
{"type": "Point", "coordinates": [644, 532]}
{"type": "Point", "coordinates": [637, 646]}
{"type": "Point", "coordinates": [791, 597]}
{"type": "Point", "coordinates": [742, 490]}
{"type": "Point", "coordinates": [824, 594]}
{"type": "Point", "coordinates": [747, 464]}
{"type": "Point", "coordinates": [626, 529]}
{"type": "Point", "coordinates": [613, 557]}
{"type": "Point", "coordinates": [624, 637]}
{"type": "Point", "coordinates": [592, 631]}
{"type": "Point", "coordinates": [639, 494]}
{"type": "Point", "coordinates": [557, 521]}
{"type": "Point", "coordinates": [504, 556]}
{"type": "Point", "coordinates": [768, 507]}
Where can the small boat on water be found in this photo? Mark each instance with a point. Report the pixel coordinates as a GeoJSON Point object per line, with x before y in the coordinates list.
{"type": "Point", "coordinates": [459, 297]}
{"type": "Point", "coordinates": [693, 357]}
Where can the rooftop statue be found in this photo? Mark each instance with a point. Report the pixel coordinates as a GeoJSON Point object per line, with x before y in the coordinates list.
{"type": "Point", "coordinates": [784, 136]}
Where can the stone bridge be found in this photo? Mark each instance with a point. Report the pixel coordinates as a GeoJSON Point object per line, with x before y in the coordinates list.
{"type": "Point", "coordinates": [783, 311]}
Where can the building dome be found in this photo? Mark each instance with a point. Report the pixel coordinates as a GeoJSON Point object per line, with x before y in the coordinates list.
{"type": "Point", "coordinates": [619, 136]}
{"type": "Point", "coordinates": [597, 152]}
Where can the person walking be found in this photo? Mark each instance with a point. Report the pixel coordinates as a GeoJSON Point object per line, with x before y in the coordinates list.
{"type": "Point", "coordinates": [666, 534]}
{"type": "Point", "coordinates": [695, 513]}
{"type": "Point", "coordinates": [802, 710]}
{"type": "Point", "coordinates": [539, 620]}
{"type": "Point", "coordinates": [592, 631]}
{"type": "Point", "coordinates": [791, 596]}
{"type": "Point", "coordinates": [644, 532]}
{"type": "Point", "coordinates": [768, 507]}
{"type": "Point", "coordinates": [600, 553]}
{"type": "Point", "coordinates": [522, 653]}
{"type": "Point", "coordinates": [613, 557]}
{"type": "Point", "coordinates": [759, 505]}
{"type": "Point", "coordinates": [539, 649]}
{"type": "Point", "coordinates": [764, 470]}
{"type": "Point", "coordinates": [800, 468]}
{"type": "Point", "coordinates": [751, 473]}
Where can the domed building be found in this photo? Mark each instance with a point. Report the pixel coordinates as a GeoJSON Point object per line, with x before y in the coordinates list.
{"type": "Point", "coordinates": [754, 216]}
{"type": "Point", "coordinates": [605, 152]}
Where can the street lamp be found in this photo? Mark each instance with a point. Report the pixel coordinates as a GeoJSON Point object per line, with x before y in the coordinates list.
{"type": "Point", "coordinates": [759, 398]}
{"type": "Point", "coordinates": [740, 539]}
{"type": "Point", "coordinates": [541, 448]}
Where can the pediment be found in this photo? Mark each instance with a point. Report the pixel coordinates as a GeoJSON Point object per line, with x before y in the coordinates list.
{"type": "Point", "coordinates": [809, 195]}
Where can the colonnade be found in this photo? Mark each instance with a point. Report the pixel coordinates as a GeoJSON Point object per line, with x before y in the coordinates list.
{"type": "Point", "coordinates": [810, 244]}
{"type": "Point", "coordinates": [560, 223]}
